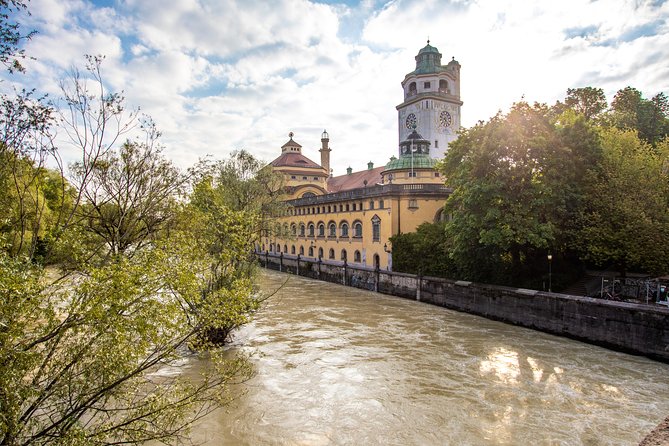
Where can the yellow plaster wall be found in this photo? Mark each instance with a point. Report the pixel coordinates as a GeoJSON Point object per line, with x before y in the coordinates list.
{"type": "Point", "coordinates": [396, 215]}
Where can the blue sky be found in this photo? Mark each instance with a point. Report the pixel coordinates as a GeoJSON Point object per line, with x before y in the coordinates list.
{"type": "Point", "coordinates": [219, 75]}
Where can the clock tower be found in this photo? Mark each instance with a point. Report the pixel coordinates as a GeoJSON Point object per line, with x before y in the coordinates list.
{"type": "Point", "coordinates": [431, 101]}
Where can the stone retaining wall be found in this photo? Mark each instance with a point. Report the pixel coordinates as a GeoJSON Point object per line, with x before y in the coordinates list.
{"type": "Point", "coordinates": [632, 328]}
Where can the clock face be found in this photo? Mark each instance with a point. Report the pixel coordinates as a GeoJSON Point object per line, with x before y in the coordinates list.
{"type": "Point", "coordinates": [445, 119]}
{"type": "Point", "coordinates": [411, 121]}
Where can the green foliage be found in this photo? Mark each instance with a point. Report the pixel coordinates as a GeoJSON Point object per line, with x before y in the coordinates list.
{"type": "Point", "coordinates": [502, 202]}
{"type": "Point", "coordinates": [422, 252]}
{"type": "Point", "coordinates": [98, 353]}
{"type": "Point", "coordinates": [626, 220]}
{"type": "Point", "coordinates": [91, 360]}
{"type": "Point", "coordinates": [650, 118]}
{"type": "Point", "coordinates": [129, 197]}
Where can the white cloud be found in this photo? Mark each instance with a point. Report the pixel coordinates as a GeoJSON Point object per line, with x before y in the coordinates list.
{"type": "Point", "coordinates": [217, 75]}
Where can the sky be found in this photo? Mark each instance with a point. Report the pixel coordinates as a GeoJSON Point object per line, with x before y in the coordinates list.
{"type": "Point", "coordinates": [221, 75]}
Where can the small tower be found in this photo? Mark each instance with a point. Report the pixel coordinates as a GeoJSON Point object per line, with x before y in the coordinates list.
{"type": "Point", "coordinates": [432, 102]}
{"type": "Point", "coordinates": [325, 151]}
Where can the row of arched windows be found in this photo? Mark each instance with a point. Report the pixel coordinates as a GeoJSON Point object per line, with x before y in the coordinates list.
{"type": "Point", "coordinates": [331, 230]}
{"type": "Point", "coordinates": [427, 86]}
{"type": "Point", "coordinates": [343, 254]}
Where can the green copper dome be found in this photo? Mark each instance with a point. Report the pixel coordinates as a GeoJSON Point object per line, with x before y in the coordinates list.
{"type": "Point", "coordinates": [428, 49]}
{"type": "Point", "coordinates": [404, 163]}
{"type": "Point", "coordinates": [428, 60]}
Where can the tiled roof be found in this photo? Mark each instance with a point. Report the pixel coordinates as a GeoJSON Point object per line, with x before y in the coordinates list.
{"type": "Point", "coordinates": [355, 180]}
{"type": "Point", "coordinates": [294, 159]}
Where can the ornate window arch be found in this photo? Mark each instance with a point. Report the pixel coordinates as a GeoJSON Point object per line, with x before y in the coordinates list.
{"type": "Point", "coordinates": [293, 229]}
{"type": "Point", "coordinates": [321, 229]}
{"type": "Point", "coordinates": [357, 229]}
{"type": "Point", "coordinates": [332, 229]}
{"type": "Point", "coordinates": [343, 254]}
{"type": "Point", "coordinates": [311, 251]}
{"type": "Point", "coordinates": [311, 230]}
{"type": "Point", "coordinates": [301, 250]}
{"type": "Point", "coordinates": [302, 229]}
{"type": "Point", "coordinates": [292, 249]}
{"type": "Point", "coordinates": [320, 253]}
{"type": "Point", "coordinates": [331, 254]}
{"type": "Point", "coordinates": [357, 258]}
{"type": "Point", "coordinates": [343, 229]}
{"type": "Point", "coordinates": [376, 228]}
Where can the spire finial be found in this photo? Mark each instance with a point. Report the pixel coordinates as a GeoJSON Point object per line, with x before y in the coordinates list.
{"type": "Point", "coordinates": [428, 40]}
{"type": "Point", "coordinates": [290, 135]}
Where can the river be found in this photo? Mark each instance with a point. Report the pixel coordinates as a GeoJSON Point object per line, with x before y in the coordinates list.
{"type": "Point", "coordinates": [337, 366]}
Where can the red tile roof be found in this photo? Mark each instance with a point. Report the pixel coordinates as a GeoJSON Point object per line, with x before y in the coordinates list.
{"type": "Point", "coordinates": [355, 180]}
{"type": "Point", "coordinates": [294, 159]}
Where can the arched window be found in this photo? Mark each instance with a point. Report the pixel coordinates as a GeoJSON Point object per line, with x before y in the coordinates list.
{"type": "Point", "coordinates": [320, 253]}
{"type": "Point", "coordinates": [285, 248]}
{"type": "Point", "coordinates": [301, 250]}
{"type": "Point", "coordinates": [293, 229]}
{"type": "Point", "coordinates": [292, 249]}
{"type": "Point", "coordinates": [331, 254]}
{"type": "Point", "coordinates": [412, 89]}
{"type": "Point", "coordinates": [311, 251]}
{"type": "Point", "coordinates": [344, 229]}
{"type": "Point", "coordinates": [271, 247]}
{"type": "Point", "coordinates": [312, 230]}
{"type": "Point", "coordinates": [356, 256]}
{"type": "Point", "coordinates": [332, 229]}
{"type": "Point", "coordinates": [376, 228]}
{"type": "Point", "coordinates": [301, 229]}
{"type": "Point", "coordinates": [321, 230]}
{"type": "Point", "coordinates": [357, 229]}
{"type": "Point", "coordinates": [443, 86]}
{"type": "Point", "coordinates": [377, 261]}
{"type": "Point", "coordinates": [284, 230]}
{"type": "Point", "coordinates": [343, 254]}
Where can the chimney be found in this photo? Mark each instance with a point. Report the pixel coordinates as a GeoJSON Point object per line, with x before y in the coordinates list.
{"type": "Point", "coordinates": [325, 151]}
{"type": "Point", "coordinates": [370, 165]}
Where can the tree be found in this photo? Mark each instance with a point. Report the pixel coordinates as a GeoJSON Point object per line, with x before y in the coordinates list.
{"type": "Point", "coordinates": [88, 357]}
{"type": "Point", "coordinates": [501, 205]}
{"type": "Point", "coordinates": [84, 362]}
{"type": "Point", "coordinates": [129, 197]}
{"type": "Point", "coordinates": [626, 219]}
{"type": "Point", "coordinates": [11, 35]}
{"type": "Point", "coordinates": [589, 101]}
{"type": "Point", "coordinates": [422, 252]}
{"type": "Point", "coordinates": [232, 205]}
{"type": "Point", "coordinates": [629, 110]}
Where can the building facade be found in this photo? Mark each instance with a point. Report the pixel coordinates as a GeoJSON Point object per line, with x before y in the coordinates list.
{"type": "Point", "coordinates": [350, 218]}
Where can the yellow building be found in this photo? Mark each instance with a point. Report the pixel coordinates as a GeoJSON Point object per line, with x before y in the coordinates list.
{"type": "Point", "coordinates": [350, 218]}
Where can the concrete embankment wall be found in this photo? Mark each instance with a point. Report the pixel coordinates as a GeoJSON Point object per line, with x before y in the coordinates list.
{"type": "Point", "coordinates": [632, 328]}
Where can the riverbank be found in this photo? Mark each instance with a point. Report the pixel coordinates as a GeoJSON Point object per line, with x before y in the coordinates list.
{"type": "Point", "coordinates": [631, 328]}
{"type": "Point", "coordinates": [659, 436]}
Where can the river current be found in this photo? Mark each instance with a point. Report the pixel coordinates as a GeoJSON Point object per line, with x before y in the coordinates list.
{"type": "Point", "coordinates": [338, 366]}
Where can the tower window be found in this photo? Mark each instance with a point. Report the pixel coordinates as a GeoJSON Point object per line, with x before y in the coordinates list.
{"type": "Point", "coordinates": [426, 85]}
{"type": "Point", "coordinates": [436, 144]}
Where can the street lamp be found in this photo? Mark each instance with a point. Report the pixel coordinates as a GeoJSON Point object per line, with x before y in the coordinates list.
{"type": "Point", "coordinates": [550, 272]}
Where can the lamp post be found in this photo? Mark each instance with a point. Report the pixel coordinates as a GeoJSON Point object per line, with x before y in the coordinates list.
{"type": "Point", "coordinates": [550, 272]}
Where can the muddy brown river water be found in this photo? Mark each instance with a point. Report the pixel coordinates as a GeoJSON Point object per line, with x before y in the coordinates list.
{"type": "Point", "coordinates": [338, 366]}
